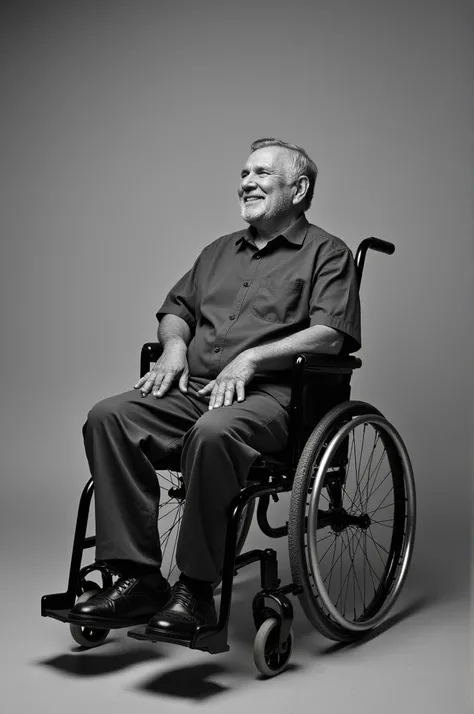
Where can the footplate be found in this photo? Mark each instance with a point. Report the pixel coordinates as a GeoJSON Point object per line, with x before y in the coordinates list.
{"type": "Point", "coordinates": [57, 605]}
{"type": "Point", "coordinates": [206, 639]}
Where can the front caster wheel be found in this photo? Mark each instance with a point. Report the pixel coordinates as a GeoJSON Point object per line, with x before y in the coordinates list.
{"type": "Point", "coordinates": [266, 657]}
{"type": "Point", "coordinates": [87, 636]}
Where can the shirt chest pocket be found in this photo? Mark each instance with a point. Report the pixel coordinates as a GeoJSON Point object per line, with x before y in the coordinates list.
{"type": "Point", "coordinates": [277, 300]}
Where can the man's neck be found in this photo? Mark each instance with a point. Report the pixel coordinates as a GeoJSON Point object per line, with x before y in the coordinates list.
{"type": "Point", "coordinates": [266, 231]}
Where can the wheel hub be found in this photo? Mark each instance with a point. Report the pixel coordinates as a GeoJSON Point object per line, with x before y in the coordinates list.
{"type": "Point", "coordinates": [177, 493]}
{"type": "Point", "coordinates": [341, 519]}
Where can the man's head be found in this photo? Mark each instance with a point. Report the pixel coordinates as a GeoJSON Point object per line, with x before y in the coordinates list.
{"type": "Point", "coordinates": [277, 183]}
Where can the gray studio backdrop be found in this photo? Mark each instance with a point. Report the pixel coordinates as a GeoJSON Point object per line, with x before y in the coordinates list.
{"type": "Point", "coordinates": [126, 125]}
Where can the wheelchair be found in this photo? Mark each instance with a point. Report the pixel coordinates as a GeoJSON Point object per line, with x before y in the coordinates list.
{"type": "Point", "coordinates": [350, 528]}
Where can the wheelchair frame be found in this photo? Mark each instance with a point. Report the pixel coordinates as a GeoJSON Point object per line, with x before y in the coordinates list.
{"type": "Point", "coordinates": [266, 479]}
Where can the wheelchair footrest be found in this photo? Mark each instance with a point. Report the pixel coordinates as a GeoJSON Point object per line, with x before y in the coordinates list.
{"type": "Point", "coordinates": [214, 643]}
{"type": "Point", "coordinates": [57, 605]}
{"type": "Point", "coordinates": [138, 633]}
{"type": "Point", "coordinates": [61, 615]}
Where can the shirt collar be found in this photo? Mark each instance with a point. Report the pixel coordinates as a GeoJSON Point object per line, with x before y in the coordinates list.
{"type": "Point", "coordinates": [295, 233]}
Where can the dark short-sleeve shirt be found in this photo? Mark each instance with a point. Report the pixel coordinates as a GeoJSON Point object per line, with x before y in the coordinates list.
{"type": "Point", "coordinates": [236, 297]}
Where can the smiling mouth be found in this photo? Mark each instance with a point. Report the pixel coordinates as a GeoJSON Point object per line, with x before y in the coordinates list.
{"type": "Point", "coordinates": [249, 199]}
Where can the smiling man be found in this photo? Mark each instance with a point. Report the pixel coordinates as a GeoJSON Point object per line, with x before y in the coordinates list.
{"type": "Point", "coordinates": [219, 394]}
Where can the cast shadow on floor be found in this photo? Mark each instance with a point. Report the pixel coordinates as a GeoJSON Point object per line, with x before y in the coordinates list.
{"type": "Point", "coordinates": [102, 660]}
{"type": "Point", "coordinates": [233, 669]}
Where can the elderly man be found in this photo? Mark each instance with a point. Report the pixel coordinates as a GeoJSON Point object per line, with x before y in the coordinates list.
{"type": "Point", "coordinates": [218, 395]}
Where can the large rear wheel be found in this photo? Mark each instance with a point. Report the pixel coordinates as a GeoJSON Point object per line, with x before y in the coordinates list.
{"type": "Point", "coordinates": [352, 521]}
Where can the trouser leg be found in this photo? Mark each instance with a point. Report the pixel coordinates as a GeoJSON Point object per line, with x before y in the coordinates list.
{"type": "Point", "coordinates": [124, 437]}
{"type": "Point", "coordinates": [218, 451]}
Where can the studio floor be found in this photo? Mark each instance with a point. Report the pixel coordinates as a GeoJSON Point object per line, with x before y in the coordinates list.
{"type": "Point", "coordinates": [417, 661]}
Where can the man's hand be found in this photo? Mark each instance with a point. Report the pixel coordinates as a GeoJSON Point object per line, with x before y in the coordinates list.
{"type": "Point", "coordinates": [172, 362]}
{"type": "Point", "coordinates": [230, 381]}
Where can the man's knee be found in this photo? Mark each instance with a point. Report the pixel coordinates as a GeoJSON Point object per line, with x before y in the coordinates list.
{"type": "Point", "coordinates": [209, 429]}
{"type": "Point", "coordinates": [102, 412]}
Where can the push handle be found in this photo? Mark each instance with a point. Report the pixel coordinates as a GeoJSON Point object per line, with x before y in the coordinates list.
{"type": "Point", "coordinates": [382, 246]}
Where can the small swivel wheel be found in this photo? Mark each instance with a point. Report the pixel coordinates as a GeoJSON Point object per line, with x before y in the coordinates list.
{"type": "Point", "coordinates": [269, 658]}
{"type": "Point", "coordinates": [88, 637]}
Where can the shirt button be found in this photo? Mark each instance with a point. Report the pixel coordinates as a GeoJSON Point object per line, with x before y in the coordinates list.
{"type": "Point", "coordinates": [217, 349]}
{"type": "Point", "coordinates": [246, 284]}
{"type": "Point", "coordinates": [231, 316]}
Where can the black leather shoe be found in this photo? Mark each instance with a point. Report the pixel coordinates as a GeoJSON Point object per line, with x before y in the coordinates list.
{"type": "Point", "coordinates": [130, 601]}
{"type": "Point", "coordinates": [182, 614]}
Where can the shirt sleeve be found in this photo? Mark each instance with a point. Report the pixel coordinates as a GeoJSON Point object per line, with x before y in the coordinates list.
{"type": "Point", "coordinates": [181, 299]}
{"type": "Point", "coordinates": [334, 300]}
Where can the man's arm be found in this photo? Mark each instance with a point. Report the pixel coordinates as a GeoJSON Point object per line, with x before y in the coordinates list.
{"type": "Point", "coordinates": [280, 355]}
{"type": "Point", "coordinates": [173, 330]}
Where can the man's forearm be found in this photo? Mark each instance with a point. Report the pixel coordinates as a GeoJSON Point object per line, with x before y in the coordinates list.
{"type": "Point", "coordinates": [280, 355]}
{"type": "Point", "coordinates": [173, 330]}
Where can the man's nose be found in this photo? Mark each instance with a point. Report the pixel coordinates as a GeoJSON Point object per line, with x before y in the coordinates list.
{"type": "Point", "coordinates": [247, 182]}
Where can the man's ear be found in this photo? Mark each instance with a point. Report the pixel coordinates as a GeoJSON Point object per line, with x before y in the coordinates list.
{"type": "Point", "coordinates": [302, 186]}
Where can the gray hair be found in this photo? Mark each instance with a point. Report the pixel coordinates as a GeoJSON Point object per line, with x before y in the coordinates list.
{"type": "Point", "coordinates": [303, 165]}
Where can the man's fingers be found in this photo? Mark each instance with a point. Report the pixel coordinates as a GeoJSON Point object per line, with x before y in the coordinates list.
{"type": "Point", "coordinates": [240, 390]}
{"type": "Point", "coordinates": [224, 388]}
{"type": "Point", "coordinates": [215, 390]}
{"type": "Point", "coordinates": [141, 381]}
{"type": "Point", "coordinates": [146, 383]}
{"type": "Point", "coordinates": [224, 393]}
{"type": "Point", "coordinates": [208, 388]}
{"type": "Point", "coordinates": [183, 382]}
{"type": "Point", "coordinates": [229, 394]}
{"type": "Point", "coordinates": [162, 387]}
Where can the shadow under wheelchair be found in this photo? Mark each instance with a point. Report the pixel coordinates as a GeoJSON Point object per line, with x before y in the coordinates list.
{"type": "Point", "coordinates": [198, 681]}
{"type": "Point", "coordinates": [80, 663]}
{"type": "Point", "coordinates": [204, 680]}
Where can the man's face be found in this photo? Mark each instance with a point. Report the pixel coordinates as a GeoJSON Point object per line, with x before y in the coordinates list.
{"type": "Point", "coordinates": [266, 188]}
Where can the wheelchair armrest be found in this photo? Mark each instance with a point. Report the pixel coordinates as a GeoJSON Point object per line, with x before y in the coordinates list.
{"type": "Point", "coordinates": [336, 364]}
{"type": "Point", "coordinates": [305, 363]}
{"type": "Point", "coordinates": [149, 353]}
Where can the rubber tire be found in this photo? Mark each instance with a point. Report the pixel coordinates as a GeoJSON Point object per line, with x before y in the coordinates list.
{"type": "Point", "coordinates": [77, 631]}
{"type": "Point", "coordinates": [261, 639]}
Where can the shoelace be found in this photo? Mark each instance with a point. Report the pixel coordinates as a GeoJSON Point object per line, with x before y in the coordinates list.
{"type": "Point", "coordinates": [119, 586]}
{"type": "Point", "coordinates": [123, 583]}
{"type": "Point", "coordinates": [183, 595]}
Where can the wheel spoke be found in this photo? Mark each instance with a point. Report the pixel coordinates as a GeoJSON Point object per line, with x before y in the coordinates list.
{"type": "Point", "coordinates": [383, 523]}
{"type": "Point", "coordinates": [172, 510]}
{"type": "Point", "coordinates": [388, 505]}
{"type": "Point", "coordinates": [377, 545]}
{"type": "Point", "coordinates": [377, 488]}
{"type": "Point", "coordinates": [167, 534]}
{"type": "Point", "coordinates": [167, 478]}
{"type": "Point", "coordinates": [371, 570]}
{"type": "Point", "coordinates": [373, 478]}
{"type": "Point", "coordinates": [332, 566]}
{"type": "Point", "coordinates": [380, 503]}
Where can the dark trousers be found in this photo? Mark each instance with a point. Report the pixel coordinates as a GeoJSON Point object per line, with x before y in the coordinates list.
{"type": "Point", "coordinates": [127, 436]}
